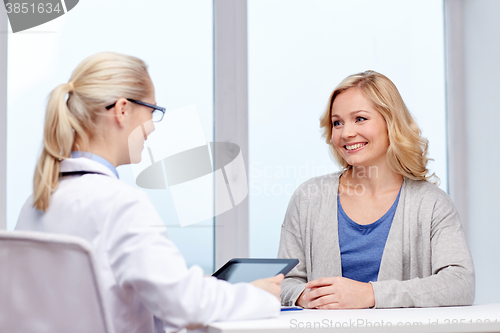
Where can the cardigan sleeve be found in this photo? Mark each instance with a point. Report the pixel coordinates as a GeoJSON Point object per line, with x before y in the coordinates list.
{"type": "Point", "coordinates": [452, 281]}
{"type": "Point", "coordinates": [292, 246]}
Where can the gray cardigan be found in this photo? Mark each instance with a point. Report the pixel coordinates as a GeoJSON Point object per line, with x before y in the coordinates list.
{"type": "Point", "coordinates": [426, 260]}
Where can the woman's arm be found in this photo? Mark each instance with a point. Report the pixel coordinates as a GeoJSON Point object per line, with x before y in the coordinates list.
{"type": "Point", "coordinates": [147, 265]}
{"type": "Point", "coordinates": [291, 246]}
{"type": "Point", "coordinates": [452, 281]}
{"type": "Point", "coordinates": [337, 293]}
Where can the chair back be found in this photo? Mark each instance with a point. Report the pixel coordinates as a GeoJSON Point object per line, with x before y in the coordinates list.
{"type": "Point", "coordinates": [49, 283]}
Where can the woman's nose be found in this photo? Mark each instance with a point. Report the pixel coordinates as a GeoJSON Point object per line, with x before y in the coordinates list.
{"type": "Point", "coordinates": [348, 131]}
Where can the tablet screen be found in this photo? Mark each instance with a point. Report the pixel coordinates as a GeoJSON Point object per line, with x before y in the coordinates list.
{"type": "Point", "coordinates": [250, 269]}
{"type": "Point", "coordinates": [248, 272]}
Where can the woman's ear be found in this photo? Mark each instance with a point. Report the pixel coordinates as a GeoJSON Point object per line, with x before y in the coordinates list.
{"type": "Point", "coordinates": [121, 111]}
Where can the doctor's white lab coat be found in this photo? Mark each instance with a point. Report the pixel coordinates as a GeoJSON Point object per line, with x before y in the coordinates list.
{"type": "Point", "coordinates": [142, 272]}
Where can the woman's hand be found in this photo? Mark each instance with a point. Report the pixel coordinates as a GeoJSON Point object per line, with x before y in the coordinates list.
{"type": "Point", "coordinates": [271, 285]}
{"type": "Point", "coordinates": [301, 301]}
{"type": "Point", "coordinates": [337, 293]}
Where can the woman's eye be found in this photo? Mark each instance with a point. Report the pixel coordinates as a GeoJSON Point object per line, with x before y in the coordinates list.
{"type": "Point", "coordinates": [358, 119]}
{"type": "Point", "coordinates": [336, 123]}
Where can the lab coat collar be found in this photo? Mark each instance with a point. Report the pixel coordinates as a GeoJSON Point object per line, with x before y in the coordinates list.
{"type": "Point", "coordinates": [97, 158]}
{"type": "Point", "coordinates": [85, 164]}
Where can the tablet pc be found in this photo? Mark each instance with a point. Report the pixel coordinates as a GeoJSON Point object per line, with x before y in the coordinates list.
{"type": "Point", "coordinates": [248, 270]}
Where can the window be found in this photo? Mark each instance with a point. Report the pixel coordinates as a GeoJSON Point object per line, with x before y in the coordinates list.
{"type": "Point", "coordinates": [298, 52]}
{"type": "Point", "coordinates": [173, 37]}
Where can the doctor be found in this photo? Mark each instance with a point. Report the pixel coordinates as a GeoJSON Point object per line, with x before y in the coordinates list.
{"type": "Point", "coordinates": [76, 191]}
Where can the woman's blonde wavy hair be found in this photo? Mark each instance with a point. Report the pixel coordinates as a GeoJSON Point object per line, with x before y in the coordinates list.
{"type": "Point", "coordinates": [73, 110]}
{"type": "Point", "coordinates": [407, 152]}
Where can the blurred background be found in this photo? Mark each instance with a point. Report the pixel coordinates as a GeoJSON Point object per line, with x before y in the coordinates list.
{"type": "Point", "coordinates": [260, 73]}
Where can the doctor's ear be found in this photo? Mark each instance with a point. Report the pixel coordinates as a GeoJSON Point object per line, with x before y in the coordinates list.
{"type": "Point", "coordinates": [121, 111]}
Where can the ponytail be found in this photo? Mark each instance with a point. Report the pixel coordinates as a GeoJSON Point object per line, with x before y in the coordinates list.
{"type": "Point", "coordinates": [73, 110]}
{"type": "Point", "coordinates": [61, 130]}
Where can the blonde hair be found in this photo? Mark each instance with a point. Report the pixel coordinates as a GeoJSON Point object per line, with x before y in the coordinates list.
{"type": "Point", "coordinates": [407, 152]}
{"type": "Point", "coordinates": [73, 109]}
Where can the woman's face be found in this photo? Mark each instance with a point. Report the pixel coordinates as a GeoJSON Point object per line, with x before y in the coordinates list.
{"type": "Point", "coordinates": [359, 132]}
{"type": "Point", "coordinates": [141, 125]}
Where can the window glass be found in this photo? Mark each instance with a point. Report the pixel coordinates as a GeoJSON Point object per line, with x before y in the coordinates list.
{"type": "Point", "coordinates": [173, 37]}
{"type": "Point", "coordinates": [299, 50]}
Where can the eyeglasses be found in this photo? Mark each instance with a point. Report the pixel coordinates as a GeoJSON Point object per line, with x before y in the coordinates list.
{"type": "Point", "coordinates": [158, 111]}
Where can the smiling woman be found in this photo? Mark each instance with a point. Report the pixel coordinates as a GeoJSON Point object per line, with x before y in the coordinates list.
{"type": "Point", "coordinates": [378, 233]}
{"type": "Point", "coordinates": [359, 136]}
{"type": "Point", "coordinates": [378, 97]}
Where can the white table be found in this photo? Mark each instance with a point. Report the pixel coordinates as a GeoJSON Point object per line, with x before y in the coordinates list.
{"type": "Point", "coordinates": [476, 318]}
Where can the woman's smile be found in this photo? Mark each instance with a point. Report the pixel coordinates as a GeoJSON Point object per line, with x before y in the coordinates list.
{"type": "Point", "coordinates": [355, 147]}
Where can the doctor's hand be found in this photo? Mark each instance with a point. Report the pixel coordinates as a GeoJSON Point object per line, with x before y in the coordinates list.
{"type": "Point", "coordinates": [271, 285]}
{"type": "Point", "coordinates": [337, 293]}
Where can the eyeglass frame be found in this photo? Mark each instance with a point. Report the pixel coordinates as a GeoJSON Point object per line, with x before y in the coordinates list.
{"type": "Point", "coordinates": [154, 107]}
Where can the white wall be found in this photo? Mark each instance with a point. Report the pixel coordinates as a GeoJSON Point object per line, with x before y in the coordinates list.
{"type": "Point", "coordinates": [482, 100]}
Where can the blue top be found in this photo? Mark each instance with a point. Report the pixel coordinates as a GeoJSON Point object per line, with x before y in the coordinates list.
{"type": "Point", "coordinates": [362, 246]}
{"type": "Point", "coordinates": [97, 158]}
